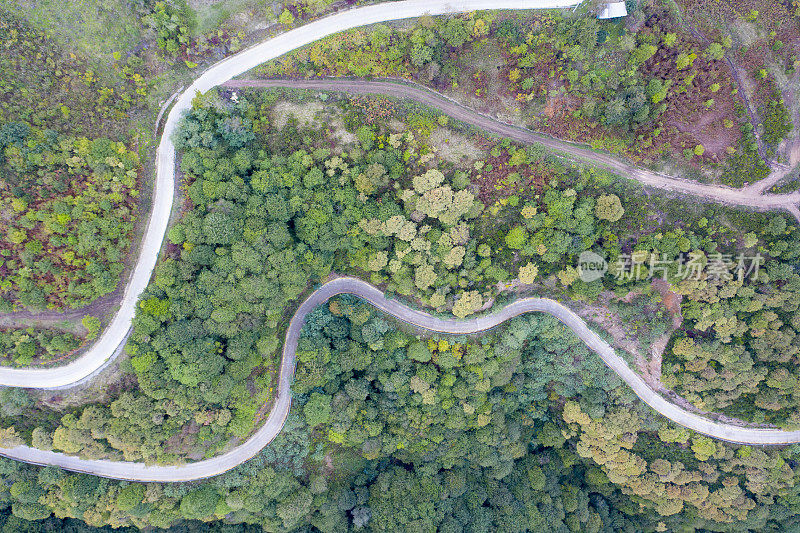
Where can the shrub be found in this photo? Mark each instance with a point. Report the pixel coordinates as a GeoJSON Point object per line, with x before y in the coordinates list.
{"type": "Point", "coordinates": [609, 208]}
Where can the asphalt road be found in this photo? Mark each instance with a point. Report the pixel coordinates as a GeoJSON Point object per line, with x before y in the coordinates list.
{"type": "Point", "coordinates": [222, 463]}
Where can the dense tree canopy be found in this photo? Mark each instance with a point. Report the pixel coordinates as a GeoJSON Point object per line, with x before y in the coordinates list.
{"type": "Point", "coordinates": [521, 428]}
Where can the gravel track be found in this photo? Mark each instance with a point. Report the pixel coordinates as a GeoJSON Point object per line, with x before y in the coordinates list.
{"type": "Point", "coordinates": [746, 197]}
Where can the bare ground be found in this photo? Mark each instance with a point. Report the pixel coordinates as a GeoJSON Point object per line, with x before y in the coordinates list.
{"type": "Point", "coordinates": [454, 147]}
{"type": "Point", "coordinates": [714, 139]}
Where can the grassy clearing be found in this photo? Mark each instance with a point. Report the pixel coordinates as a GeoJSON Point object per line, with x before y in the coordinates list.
{"type": "Point", "coordinates": [305, 114]}
{"type": "Point", "coordinates": [97, 28]}
{"type": "Point", "coordinates": [455, 148]}
{"type": "Point", "coordinates": [211, 14]}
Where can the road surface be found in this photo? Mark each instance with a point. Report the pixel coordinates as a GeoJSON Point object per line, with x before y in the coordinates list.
{"type": "Point", "coordinates": [746, 197]}
{"type": "Point", "coordinates": [99, 354]}
{"type": "Point", "coordinates": [222, 463]}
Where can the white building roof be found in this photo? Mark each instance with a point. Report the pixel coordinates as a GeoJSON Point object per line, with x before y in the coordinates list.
{"type": "Point", "coordinates": [612, 10]}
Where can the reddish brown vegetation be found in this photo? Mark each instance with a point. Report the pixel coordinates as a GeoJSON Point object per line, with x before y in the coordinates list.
{"type": "Point", "coordinates": [503, 179]}
{"type": "Point", "coordinates": [374, 108]}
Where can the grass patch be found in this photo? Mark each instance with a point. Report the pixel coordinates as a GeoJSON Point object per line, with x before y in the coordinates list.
{"type": "Point", "coordinates": [98, 28]}
{"type": "Point", "coordinates": [210, 16]}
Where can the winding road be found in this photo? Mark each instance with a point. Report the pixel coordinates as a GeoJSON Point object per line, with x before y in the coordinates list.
{"type": "Point", "coordinates": [111, 342]}
{"type": "Point", "coordinates": [104, 348]}
{"type": "Point", "coordinates": [222, 463]}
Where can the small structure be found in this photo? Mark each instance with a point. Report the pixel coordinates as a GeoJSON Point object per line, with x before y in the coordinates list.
{"type": "Point", "coordinates": [612, 10]}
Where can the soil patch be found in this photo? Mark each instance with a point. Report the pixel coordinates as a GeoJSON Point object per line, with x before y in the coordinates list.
{"type": "Point", "coordinates": [305, 114]}
{"type": "Point", "coordinates": [670, 300]}
{"type": "Point", "coordinates": [454, 147]}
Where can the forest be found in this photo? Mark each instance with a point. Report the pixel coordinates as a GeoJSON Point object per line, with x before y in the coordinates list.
{"type": "Point", "coordinates": [73, 206]}
{"type": "Point", "coordinates": [77, 104]}
{"type": "Point", "coordinates": [69, 196]}
{"type": "Point", "coordinates": [75, 121]}
{"type": "Point", "coordinates": [419, 434]}
{"type": "Point", "coordinates": [397, 414]}
{"type": "Point", "coordinates": [392, 429]}
{"type": "Point", "coordinates": [21, 346]}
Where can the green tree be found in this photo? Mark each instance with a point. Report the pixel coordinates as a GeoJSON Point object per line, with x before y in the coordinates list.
{"type": "Point", "coordinates": [366, 137]}
{"type": "Point", "coordinates": [418, 351]}
{"type": "Point", "coordinates": [286, 18]}
{"type": "Point", "coordinates": [130, 496]}
{"type": "Point", "coordinates": [14, 401]}
{"type": "Point", "coordinates": [200, 503]}
{"type": "Point", "coordinates": [318, 409]}
{"type": "Point", "coordinates": [92, 325]}
{"type": "Point", "coordinates": [218, 228]}
{"type": "Point", "coordinates": [642, 53]}
{"type": "Point", "coordinates": [294, 508]}
{"type": "Point", "coordinates": [454, 32]}
{"type": "Point", "coordinates": [516, 238]}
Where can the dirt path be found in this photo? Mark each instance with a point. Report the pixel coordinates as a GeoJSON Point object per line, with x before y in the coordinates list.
{"type": "Point", "coordinates": [113, 339]}
{"type": "Point", "coordinates": [791, 148]}
{"type": "Point", "coordinates": [99, 308]}
{"type": "Point", "coordinates": [749, 196]}
{"type": "Point", "coordinates": [720, 194]}
{"type": "Point", "coordinates": [648, 364]}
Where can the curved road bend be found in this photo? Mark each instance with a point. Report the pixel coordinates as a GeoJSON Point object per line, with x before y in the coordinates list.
{"type": "Point", "coordinates": [721, 194]}
{"type": "Point", "coordinates": [105, 347]}
{"type": "Point", "coordinates": [217, 465]}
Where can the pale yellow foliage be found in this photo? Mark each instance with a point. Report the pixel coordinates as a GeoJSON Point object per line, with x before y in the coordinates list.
{"type": "Point", "coordinates": [371, 226]}
{"type": "Point", "coordinates": [429, 180]}
{"type": "Point", "coordinates": [393, 224]}
{"type": "Point", "coordinates": [468, 303]}
{"type": "Point", "coordinates": [437, 299]}
{"type": "Point", "coordinates": [408, 231]}
{"type": "Point", "coordinates": [454, 257]}
{"type": "Point", "coordinates": [528, 211]}
{"type": "Point", "coordinates": [9, 438]}
{"type": "Point", "coordinates": [424, 276]}
{"type": "Point", "coordinates": [568, 276]}
{"type": "Point", "coordinates": [378, 261]}
{"type": "Point", "coordinates": [420, 244]}
{"type": "Point", "coordinates": [419, 385]}
{"type": "Point", "coordinates": [528, 273]}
